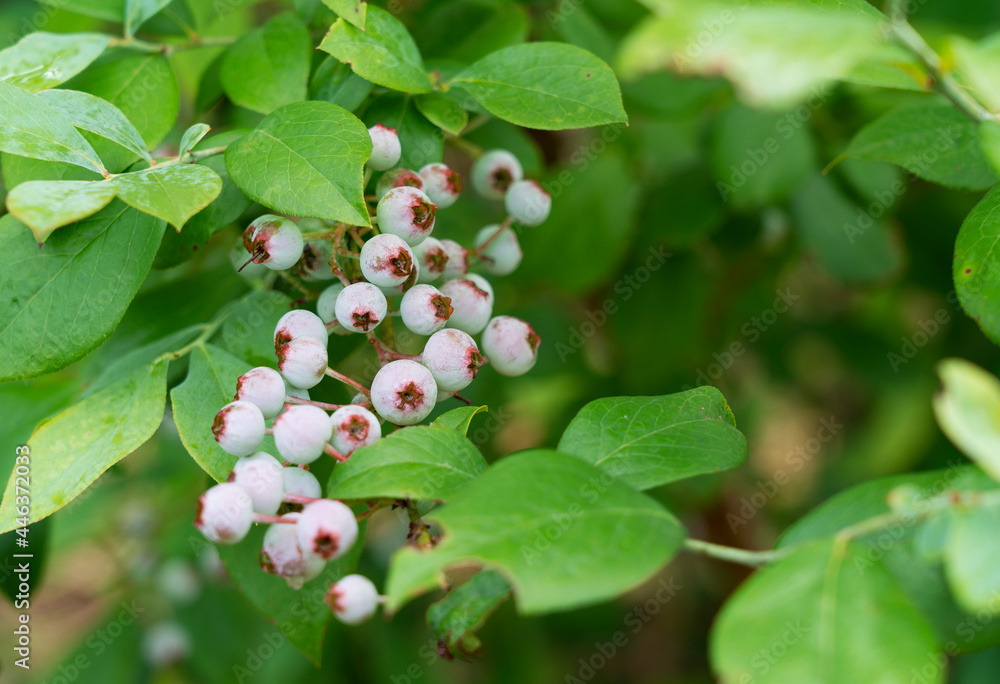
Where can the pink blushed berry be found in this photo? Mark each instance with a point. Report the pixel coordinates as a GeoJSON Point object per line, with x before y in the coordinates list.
{"type": "Point", "coordinates": [407, 213]}
{"type": "Point", "coordinates": [225, 513]}
{"type": "Point", "coordinates": [263, 387]}
{"type": "Point", "coordinates": [511, 345]}
{"type": "Point", "coordinates": [273, 241]}
{"type": "Point", "coordinates": [472, 299]}
{"type": "Point", "coordinates": [397, 178]}
{"type": "Point", "coordinates": [441, 183]}
{"type": "Point", "coordinates": [327, 302]}
{"type": "Point", "coordinates": [503, 254]}
{"type": "Point", "coordinates": [354, 427]}
{"type": "Point", "coordinates": [260, 476]}
{"type": "Point", "coordinates": [457, 264]}
{"type": "Point", "coordinates": [239, 428]}
{"type": "Point", "coordinates": [361, 307]}
{"type": "Point", "coordinates": [353, 599]}
{"type": "Point", "coordinates": [387, 261]}
{"type": "Point", "coordinates": [528, 203]}
{"type": "Point", "coordinates": [300, 482]}
{"type": "Point", "coordinates": [453, 359]}
{"type": "Point", "coordinates": [494, 172]}
{"type": "Point", "coordinates": [431, 258]}
{"type": "Point", "coordinates": [301, 433]}
{"type": "Point", "coordinates": [303, 361]}
{"type": "Point", "coordinates": [386, 149]}
{"type": "Point", "coordinates": [282, 555]}
{"type": "Point", "coordinates": [424, 309]}
{"type": "Point", "coordinates": [327, 529]}
{"type": "Point", "coordinates": [299, 323]}
{"type": "Point", "coordinates": [403, 392]}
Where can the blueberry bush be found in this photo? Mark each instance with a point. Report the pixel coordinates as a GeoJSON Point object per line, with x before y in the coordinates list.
{"type": "Point", "coordinates": [496, 340]}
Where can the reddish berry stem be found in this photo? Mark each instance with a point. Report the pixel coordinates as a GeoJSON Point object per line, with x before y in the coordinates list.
{"type": "Point", "coordinates": [296, 498]}
{"type": "Point", "coordinates": [326, 407]}
{"type": "Point", "coordinates": [477, 252]}
{"type": "Point", "coordinates": [330, 451]}
{"type": "Point", "coordinates": [261, 518]}
{"type": "Point", "coordinates": [348, 381]}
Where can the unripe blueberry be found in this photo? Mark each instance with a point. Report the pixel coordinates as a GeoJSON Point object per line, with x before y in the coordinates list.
{"type": "Point", "coordinates": [327, 302]}
{"type": "Point", "coordinates": [397, 178]}
{"type": "Point", "coordinates": [361, 307]}
{"type": "Point", "coordinates": [386, 260]}
{"type": "Point", "coordinates": [404, 392]}
{"type": "Point", "coordinates": [424, 309]}
{"type": "Point", "coordinates": [301, 432]}
{"type": "Point", "coordinates": [406, 212]}
{"type": "Point", "coordinates": [354, 427]}
{"type": "Point", "coordinates": [431, 258]}
{"type": "Point", "coordinates": [511, 345]}
{"type": "Point", "coordinates": [263, 387]}
{"type": "Point", "coordinates": [453, 359]}
{"type": "Point", "coordinates": [273, 241]}
{"type": "Point", "coordinates": [472, 299]}
{"type": "Point", "coordinates": [353, 599]}
{"type": "Point", "coordinates": [528, 203]}
{"type": "Point", "coordinates": [386, 149]}
{"type": "Point", "coordinates": [457, 264]}
{"type": "Point", "coordinates": [299, 323]}
{"type": "Point", "coordinates": [441, 183]}
{"type": "Point", "coordinates": [177, 580]}
{"type": "Point", "coordinates": [327, 529]}
{"type": "Point", "coordinates": [260, 475]}
{"type": "Point", "coordinates": [303, 361]}
{"type": "Point", "coordinates": [314, 264]}
{"type": "Point", "coordinates": [494, 172]}
{"type": "Point", "coordinates": [296, 392]}
{"type": "Point", "coordinates": [282, 555]}
{"type": "Point", "coordinates": [239, 428]}
{"type": "Point", "coordinates": [300, 482]}
{"type": "Point", "coordinates": [225, 513]}
{"type": "Point", "coordinates": [503, 254]}
{"type": "Point", "coordinates": [238, 258]}
{"type": "Point", "coordinates": [165, 644]}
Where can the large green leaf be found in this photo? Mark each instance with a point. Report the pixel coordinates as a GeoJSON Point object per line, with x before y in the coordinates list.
{"type": "Point", "coordinates": [971, 558]}
{"type": "Point", "coordinates": [301, 615]}
{"type": "Point", "coordinates": [968, 410]}
{"type": "Point", "coordinates": [420, 463]}
{"type": "Point", "coordinates": [72, 449]}
{"type": "Point", "coordinates": [60, 302]}
{"type": "Point", "coordinates": [210, 385]}
{"type": "Point", "coordinates": [549, 86]}
{"type": "Point", "coordinates": [775, 53]}
{"type": "Point", "coordinates": [383, 53]}
{"type": "Point", "coordinates": [650, 441]}
{"type": "Point", "coordinates": [562, 532]}
{"type": "Point", "coordinates": [305, 159]}
{"type": "Point", "coordinates": [173, 193]}
{"type": "Point", "coordinates": [335, 82]}
{"type": "Point", "coordinates": [976, 266]}
{"type": "Point", "coordinates": [43, 60]}
{"type": "Point", "coordinates": [44, 206]}
{"type": "Point", "coordinates": [352, 11]}
{"type": "Point", "coordinates": [935, 142]}
{"type": "Point", "coordinates": [458, 615]}
{"type": "Point", "coordinates": [138, 11]}
{"type": "Point", "coordinates": [269, 67]}
{"type": "Point", "coordinates": [813, 617]}
{"type": "Point", "coordinates": [97, 115]}
{"type": "Point", "coordinates": [444, 113]}
{"type": "Point", "coordinates": [31, 128]}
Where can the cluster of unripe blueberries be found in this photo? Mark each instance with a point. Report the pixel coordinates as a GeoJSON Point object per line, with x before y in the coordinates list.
{"type": "Point", "coordinates": [399, 260]}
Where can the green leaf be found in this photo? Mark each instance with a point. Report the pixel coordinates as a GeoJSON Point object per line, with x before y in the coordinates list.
{"type": "Point", "coordinates": [465, 609]}
{"type": "Point", "coordinates": [970, 558]}
{"type": "Point", "coordinates": [979, 64]}
{"type": "Point", "coordinates": [301, 615]}
{"type": "Point", "coordinates": [34, 129]}
{"type": "Point", "coordinates": [813, 617]}
{"type": "Point", "coordinates": [192, 136]}
{"type": "Point", "coordinates": [989, 141]}
{"type": "Point", "coordinates": [444, 113]}
{"type": "Point", "coordinates": [383, 53]}
{"type": "Point", "coordinates": [563, 533]}
{"type": "Point", "coordinates": [111, 10]}
{"type": "Point", "coordinates": [44, 206]}
{"type": "Point", "coordinates": [548, 86]}
{"type": "Point", "coordinates": [172, 193]}
{"type": "Point", "coordinates": [62, 301]}
{"type": "Point", "coordinates": [98, 116]}
{"type": "Point", "coordinates": [210, 385]}
{"type": "Point", "coordinates": [39, 547]}
{"type": "Point", "coordinates": [968, 411]}
{"type": "Point", "coordinates": [775, 54]}
{"type": "Point", "coordinates": [305, 159]}
{"type": "Point", "coordinates": [352, 11]}
{"type": "Point", "coordinates": [72, 449]}
{"type": "Point", "coordinates": [143, 87]}
{"type": "Point", "coordinates": [649, 441]}
{"type": "Point", "coordinates": [269, 67]}
{"type": "Point", "coordinates": [507, 26]}
{"type": "Point", "coordinates": [248, 332]}
{"type": "Point", "coordinates": [421, 463]}
{"type": "Point", "coordinates": [335, 82]}
{"type": "Point", "coordinates": [460, 418]}
{"type": "Point", "coordinates": [116, 367]}
{"type": "Point", "coordinates": [976, 265]}
{"type": "Point", "coordinates": [138, 11]}
{"type": "Point", "coordinates": [849, 242]}
{"type": "Point", "coordinates": [936, 142]}
{"type": "Point", "coordinates": [43, 60]}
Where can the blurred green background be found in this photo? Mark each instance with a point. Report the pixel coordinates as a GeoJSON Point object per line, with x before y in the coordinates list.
{"type": "Point", "coordinates": [647, 279]}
